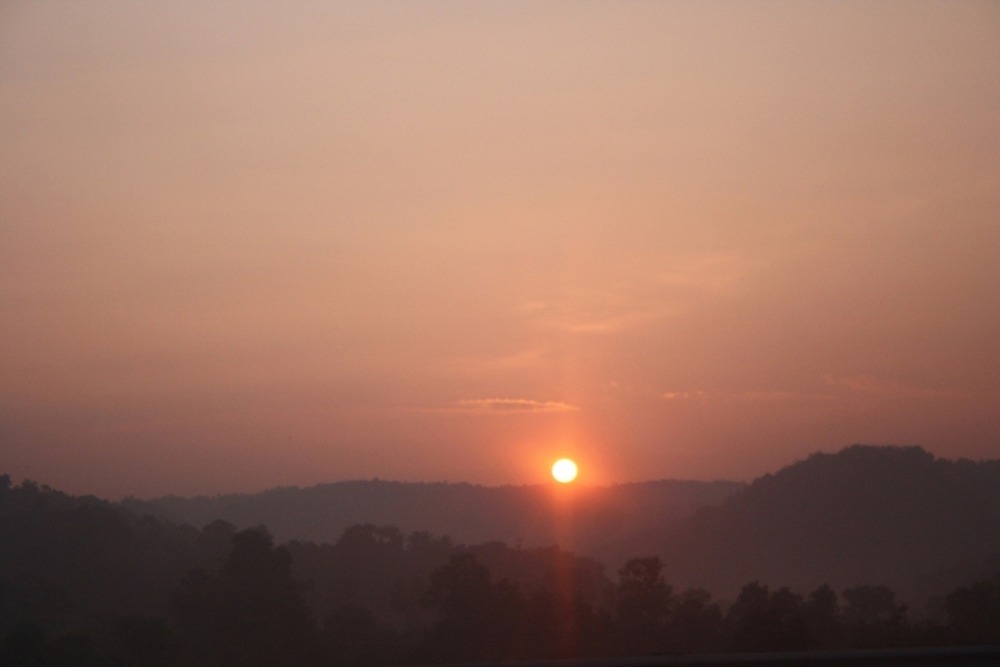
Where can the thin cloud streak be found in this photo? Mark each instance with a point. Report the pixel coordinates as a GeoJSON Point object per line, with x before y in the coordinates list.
{"type": "Point", "coordinates": [836, 388]}
{"type": "Point", "coordinates": [502, 406]}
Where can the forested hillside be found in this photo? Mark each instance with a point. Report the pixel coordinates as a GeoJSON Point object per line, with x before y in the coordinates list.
{"type": "Point", "coordinates": [85, 581]}
{"type": "Point", "coordinates": [603, 522]}
{"type": "Point", "coordinates": [894, 515]}
{"type": "Point", "coordinates": [865, 514]}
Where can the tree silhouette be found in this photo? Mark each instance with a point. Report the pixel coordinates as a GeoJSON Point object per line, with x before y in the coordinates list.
{"type": "Point", "coordinates": [822, 614]}
{"type": "Point", "coordinates": [764, 621]}
{"type": "Point", "coordinates": [974, 612]}
{"type": "Point", "coordinates": [696, 623]}
{"type": "Point", "coordinates": [477, 619]}
{"type": "Point", "coordinates": [354, 638]}
{"type": "Point", "coordinates": [873, 617]}
{"type": "Point", "coordinates": [251, 613]}
{"type": "Point", "coordinates": [643, 603]}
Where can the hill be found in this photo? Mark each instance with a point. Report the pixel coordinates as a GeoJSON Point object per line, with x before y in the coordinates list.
{"type": "Point", "coordinates": [885, 515]}
{"type": "Point", "coordinates": [95, 579]}
{"type": "Point", "coordinates": [595, 521]}
{"type": "Point", "coordinates": [865, 515]}
{"type": "Point", "coordinates": [87, 582]}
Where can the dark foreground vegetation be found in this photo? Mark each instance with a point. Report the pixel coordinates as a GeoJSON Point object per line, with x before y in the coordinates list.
{"type": "Point", "coordinates": [87, 582]}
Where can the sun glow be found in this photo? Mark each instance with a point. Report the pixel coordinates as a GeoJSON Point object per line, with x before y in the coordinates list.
{"type": "Point", "coordinates": [564, 471]}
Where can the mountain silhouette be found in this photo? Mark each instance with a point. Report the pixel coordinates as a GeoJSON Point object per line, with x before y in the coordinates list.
{"type": "Point", "coordinates": [86, 581]}
{"type": "Point", "coordinates": [888, 515]}
{"type": "Point", "coordinates": [865, 515]}
{"type": "Point", "coordinates": [601, 519]}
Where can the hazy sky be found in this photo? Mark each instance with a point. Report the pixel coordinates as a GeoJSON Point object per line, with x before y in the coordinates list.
{"type": "Point", "coordinates": [253, 244]}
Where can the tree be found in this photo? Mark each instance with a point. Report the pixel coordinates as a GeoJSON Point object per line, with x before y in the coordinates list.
{"type": "Point", "coordinates": [822, 612]}
{"type": "Point", "coordinates": [477, 620]}
{"type": "Point", "coordinates": [251, 613]}
{"type": "Point", "coordinates": [353, 637]}
{"type": "Point", "coordinates": [695, 624]}
{"type": "Point", "coordinates": [643, 603]}
{"type": "Point", "coordinates": [764, 621]}
{"type": "Point", "coordinates": [872, 616]}
{"type": "Point", "coordinates": [974, 612]}
{"type": "Point", "coordinates": [872, 605]}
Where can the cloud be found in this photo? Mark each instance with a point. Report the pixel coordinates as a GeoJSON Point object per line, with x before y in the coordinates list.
{"type": "Point", "coordinates": [603, 312]}
{"type": "Point", "coordinates": [623, 322]}
{"type": "Point", "coordinates": [869, 384]}
{"type": "Point", "coordinates": [838, 388]}
{"type": "Point", "coordinates": [505, 406]}
{"type": "Point", "coordinates": [857, 385]}
{"type": "Point", "coordinates": [767, 395]}
{"type": "Point", "coordinates": [746, 396]}
{"type": "Point", "coordinates": [641, 298]}
{"type": "Point", "coordinates": [683, 395]}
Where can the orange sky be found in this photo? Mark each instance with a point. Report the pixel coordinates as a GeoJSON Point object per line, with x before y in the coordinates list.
{"type": "Point", "coordinates": [252, 244]}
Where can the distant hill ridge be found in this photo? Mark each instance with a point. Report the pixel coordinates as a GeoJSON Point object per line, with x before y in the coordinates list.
{"type": "Point", "coordinates": [879, 515]}
{"type": "Point", "coordinates": [470, 514]}
{"type": "Point", "coordinates": [893, 515]}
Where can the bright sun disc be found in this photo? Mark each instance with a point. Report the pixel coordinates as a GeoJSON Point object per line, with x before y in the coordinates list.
{"type": "Point", "coordinates": [564, 471]}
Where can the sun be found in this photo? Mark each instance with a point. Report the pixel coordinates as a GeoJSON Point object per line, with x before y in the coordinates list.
{"type": "Point", "coordinates": [564, 471]}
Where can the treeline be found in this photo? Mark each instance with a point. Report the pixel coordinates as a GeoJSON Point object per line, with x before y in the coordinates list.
{"type": "Point", "coordinates": [606, 519]}
{"type": "Point", "coordinates": [83, 581]}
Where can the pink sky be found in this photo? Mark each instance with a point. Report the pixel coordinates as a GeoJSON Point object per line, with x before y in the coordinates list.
{"type": "Point", "coordinates": [253, 244]}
